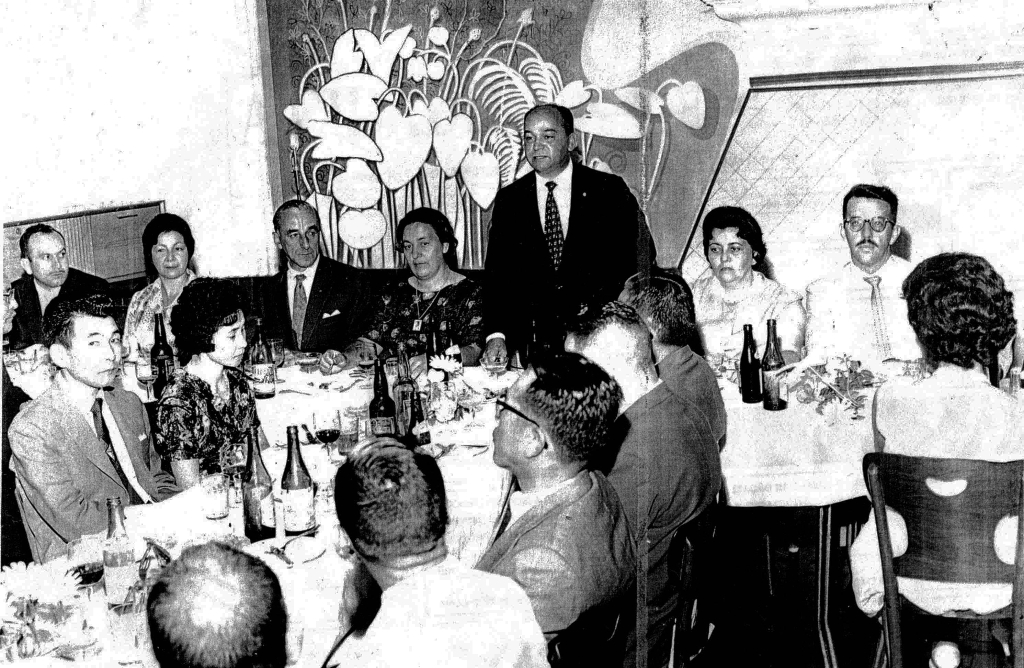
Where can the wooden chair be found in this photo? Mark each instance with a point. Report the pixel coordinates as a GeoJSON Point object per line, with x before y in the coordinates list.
{"type": "Point", "coordinates": [691, 561]}
{"type": "Point", "coordinates": [597, 639]}
{"type": "Point", "coordinates": [950, 538]}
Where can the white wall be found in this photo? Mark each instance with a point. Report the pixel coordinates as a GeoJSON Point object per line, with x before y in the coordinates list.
{"type": "Point", "coordinates": [115, 102]}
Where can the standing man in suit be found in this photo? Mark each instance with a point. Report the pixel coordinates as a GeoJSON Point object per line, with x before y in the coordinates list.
{"type": "Point", "coordinates": [567, 543]}
{"type": "Point", "coordinates": [859, 310]}
{"type": "Point", "coordinates": [314, 303]}
{"type": "Point", "coordinates": [47, 280]}
{"type": "Point", "coordinates": [81, 442]}
{"type": "Point", "coordinates": [564, 237]}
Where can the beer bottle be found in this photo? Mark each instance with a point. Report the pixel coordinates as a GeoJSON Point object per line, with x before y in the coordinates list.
{"type": "Point", "coordinates": [418, 432]}
{"type": "Point", "coordinates": [119, 569]}
{"type": "Point", "coordinates": [161, 355]}
{"type": "Point", "coordinates": [262, 367]}
{"type": "Point", "coordinates": [296, 489]}
{"type": "Point", "coordinates": [776, 392]}
{"type": "Point", "coordinates": [382, 408]}
{"type": "Point", "coordinates": [257, 493]}
{"type": "Point", "coordinates": [750, 368]}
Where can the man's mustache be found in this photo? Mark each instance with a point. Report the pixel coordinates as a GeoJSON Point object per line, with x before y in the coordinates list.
{"type": "Point", "coordinates": [867, 242]}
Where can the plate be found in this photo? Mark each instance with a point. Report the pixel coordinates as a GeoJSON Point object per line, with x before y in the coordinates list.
{"type": "Point", "coordinates": [300, 550]}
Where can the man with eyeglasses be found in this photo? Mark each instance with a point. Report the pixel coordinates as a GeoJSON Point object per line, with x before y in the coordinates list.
{"type": "Point", "coordinates": [566, 542]}
{"type": "Point", "coordinates": [48, 280]}
{"type": "Point", "coordinates": [859, 310]}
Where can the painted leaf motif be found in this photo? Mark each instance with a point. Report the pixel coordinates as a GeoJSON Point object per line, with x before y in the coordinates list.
{"type": "Point", "coordinates": [356, 187]}
{"type": "Point", "coordinates": [437, 110]}
{"type": "Point", "coordinates": [543, 78]}
{"type": "Point", "coordinates": [605, 119]}
{"type": "Point", "coordinates": [342, 141]}
{"type": "Point", "coordinates": [405, 142]}
{"type": "Point", "coordinates": [573, 95]}
{"type": "Point", "coordinates": [354, 95]}
{"type": "Point", "coordinates": [346, 58]}
{"type": "Point", "coordinates": [503, 92]}
{"type": "Point", "coordinates": [311, 109]}
{"type": "Point", "coordinates": [687, 104]}
{"type": "Point", "coordinates": [451, 142]}
{"type": "Point", "coordinates": [381, 55]}
{"type": "Point", "coordinates": [480, 174]}
{"type": "Point", "coordinates": [362, 229]}
{"type": "Point", "coordinates": [507, 145]}
{"type": "Point", "coordinates": [641, 99]}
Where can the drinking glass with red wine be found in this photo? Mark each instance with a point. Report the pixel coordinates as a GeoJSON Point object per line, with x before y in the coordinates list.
{"type": "Point", "coordinates": [327, 427]}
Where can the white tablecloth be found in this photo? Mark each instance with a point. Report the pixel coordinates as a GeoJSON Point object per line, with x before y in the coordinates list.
{"type": "Point", "coordinates": [793, 457]}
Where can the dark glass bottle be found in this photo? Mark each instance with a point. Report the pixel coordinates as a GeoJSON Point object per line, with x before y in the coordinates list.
{"type": "Point", "coordinates": [382, 407]}
{"type": "Point", "coordinates": [262, 369]}
{"type": "Point", "coordinates": [296, 489]}
{"type": "Point", "coordinates": [257, 493]}
{"type": "Point", "coordinates": [403, 392]}
{"type": "Point", "coordinates": [750, 368]}
{"type": "Point", "coordinates": [119, 569]}
{"type": "Point", "coordinates": [451, 348]}
{"type": "Point", "coordinates": [775, 390]}
{"type": "Point", "coordinates": [418, 432]}
{"type": "Point", "coordinates": [161, 355]}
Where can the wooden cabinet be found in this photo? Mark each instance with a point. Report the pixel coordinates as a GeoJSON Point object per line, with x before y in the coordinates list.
{"type": "Point", "coordinates": [105, 242]}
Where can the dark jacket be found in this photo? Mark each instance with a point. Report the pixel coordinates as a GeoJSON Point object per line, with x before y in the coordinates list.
{"type": "Point", "coordinates": [607, 240]}
{"type": "Point", "coordinates": [689, 377]}
{"type": "Point", "coordinates": [13, 542]}
{"type": "Point", "coordinates": [28, 321]}
{"type": "Point", "coordinates": [570, 552]}
{"type": "Point", "coordinates": [338, 308]}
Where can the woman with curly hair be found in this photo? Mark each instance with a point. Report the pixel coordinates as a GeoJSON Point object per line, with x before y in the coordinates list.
{"type": "Point", "coordinates": [208, 404]}
{"type": "Point", "coordinates": [962, 314]}
{"type": "Point", "coordinates": [738, 293]}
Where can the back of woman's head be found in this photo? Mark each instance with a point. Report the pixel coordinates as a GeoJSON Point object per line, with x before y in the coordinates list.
{"type": "Point", "coordinates": [959, 308]}
{"type": "Point", "coordinates": [747, 228]}
{"type": "Point", "coordinates": [205, 305]}
{"type": "Point", "coordinates": [442, 228]}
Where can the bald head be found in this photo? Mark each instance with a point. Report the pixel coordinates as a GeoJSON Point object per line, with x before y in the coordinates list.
{"type": "Point", "coordinates": [217, 607]}
{"type": "Point", "coordinates": [614, 336]}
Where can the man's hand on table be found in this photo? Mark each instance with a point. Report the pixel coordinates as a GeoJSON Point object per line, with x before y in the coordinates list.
{"type": "Point", "coordinates": [495, 352]}
{"type": "Point", "coordinates": [332, 361]}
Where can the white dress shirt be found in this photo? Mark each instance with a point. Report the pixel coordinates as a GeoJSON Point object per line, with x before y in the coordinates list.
{"type": "Point", "coordinates": [307, 283]}
{"type": "Point", "coordinates": [83, 397]}
{"type": "Point", "coordinates": [563, 197]}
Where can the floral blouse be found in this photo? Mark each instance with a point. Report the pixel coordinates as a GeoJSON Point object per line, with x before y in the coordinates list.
{"type": "Point", "coordinates": [138, 324]}
{"type": "Point", "coordinates": [459, 306]}
{"type": "Point", "coordinates": [194, 423]}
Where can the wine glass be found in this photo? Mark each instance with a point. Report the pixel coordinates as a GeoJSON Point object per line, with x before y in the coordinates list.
{"type": "Point", "coordinates": [232, 459]}
{"type": "Point", "coordinates": [327, 428]}
{"type": "Point", "coordinates": [276, 351]}
{"type": "Point", "coordinates": [145, 372]}
{"type": "Point", "coordinates": [493, 369]}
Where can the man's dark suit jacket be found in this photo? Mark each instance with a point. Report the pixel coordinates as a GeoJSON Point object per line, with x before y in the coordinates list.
{"type": "Point", "coordinates": [338, 308]}
{"type": "Point", "coordinates": [28, 321]}
{"type": "Point", "coordinates": [13, 541]}
{"type": "Point", "coordinates": [606, 242]}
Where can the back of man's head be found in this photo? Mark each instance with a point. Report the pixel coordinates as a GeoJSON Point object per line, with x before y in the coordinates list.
{"type": "Point", "coordinates": [665, 304]}
{"type": "Point", "coordinates": [614, 336]}
{"type": "Point", "coordinates": [391, 503]}
{"type": "Point", "coordinates": [576, 402]}
{"type": "Point", "coordinates": [217, 607]}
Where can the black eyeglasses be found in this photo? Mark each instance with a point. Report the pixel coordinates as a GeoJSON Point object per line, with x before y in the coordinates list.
{"type": "Point", "coordinates": [876, 224]}
{"type": "Point", "coordinates": [501, 406]}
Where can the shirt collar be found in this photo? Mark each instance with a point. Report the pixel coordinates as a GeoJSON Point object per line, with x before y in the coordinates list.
{"type": "Point", "coordinates": [520, 503]}
{"type": "Point", "coordinates": [79, 395]}
{"type": "Point", "coordinates": [563, 179]}
{"type": "Point", "coordinates": [309, 272]}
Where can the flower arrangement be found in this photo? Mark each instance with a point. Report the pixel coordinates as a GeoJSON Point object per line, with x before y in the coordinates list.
{"type": "Point", "coordinates": [34, 601]}
{"type": "Point", "coordinates": [840, 382]}
{"type": "Point", "coordinates": [444, 400]}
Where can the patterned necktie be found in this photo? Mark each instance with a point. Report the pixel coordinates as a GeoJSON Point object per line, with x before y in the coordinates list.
{"type": "Point", "coordinates": [878, 315]}
{"type": "Point", "coordinates": [553, 227]}
{"type": "Point", "coordinates": [299, 309]}
{"type": "Point", "coordinates": [104, 435]}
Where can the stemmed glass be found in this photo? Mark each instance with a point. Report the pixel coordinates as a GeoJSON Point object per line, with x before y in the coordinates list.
{"type": "Point", "coordinates": [277, 351]}
{"type": "Point", "coordinates": [145, 372]}
{"type": "Point", "coordinates": [327, 428]}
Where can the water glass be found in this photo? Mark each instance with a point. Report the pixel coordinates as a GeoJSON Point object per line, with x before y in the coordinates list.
{"type": "Point", "coordinates": [391, 372]}
{"type": "Point", "coordinates": [215, 487]}
{"type": "Point", "coordinates": [349, 436]}
{"type": "Point", "coordinates": [1013, 383]}
{"type": "Point", "coordinates": [129, 633]}
{"type": "Point", "coordinates": [276, 351]}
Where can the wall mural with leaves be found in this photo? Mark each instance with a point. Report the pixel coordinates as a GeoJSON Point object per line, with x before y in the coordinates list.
{"type": "Point", "coordinates": [400, 105]}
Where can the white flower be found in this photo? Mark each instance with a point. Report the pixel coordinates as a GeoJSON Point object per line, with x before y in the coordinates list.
{"type": "Point", "coordinates": [417, 68]}
{"type": "Point", "coordinates": [45, 583]}
{"type": "Point", "coordinates": [435, 376]}
{"type": "Point", "coordinates": [445, 363]}
{"type": "Point", "coordinates": [438, 35]}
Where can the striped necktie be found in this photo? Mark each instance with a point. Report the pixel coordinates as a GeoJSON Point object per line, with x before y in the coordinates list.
{"type": "Point", "coordinates": [553, 227]}
{"type": "Point", "coordinates": [878, 315]}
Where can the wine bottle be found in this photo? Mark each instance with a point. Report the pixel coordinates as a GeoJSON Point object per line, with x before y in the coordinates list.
{"type": "Point", "coordinates": [404, 391]}
{"type": "Point", "coordinates": [382, 408]}
{"type": "Point", "coordinates": [750, 368]}
{"type": "Point", "coordinates": [161, 355]}
{"type": "Point", "coordinates": [418, 432]}
{"type": "Point", "coordinates": [257, 493]}
{"type": "Point", "coordinates": [262, 369]}
{"type": "Point", "coordinates": [776, 392]}
{"type": "Point", "coordinates": [296, 489]}
{"type": "Point", "coordinates": [119, 569]}
{"type": "Point", "coordinates": [451, 348]}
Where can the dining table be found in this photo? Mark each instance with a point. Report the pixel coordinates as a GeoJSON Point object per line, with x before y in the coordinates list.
{"type": "Point", "coordinates": [317, 581]}
{"type": "Point", "coordinates": [794, 499]}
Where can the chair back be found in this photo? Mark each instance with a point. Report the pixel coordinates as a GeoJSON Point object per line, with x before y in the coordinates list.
{"type": "Point", "coordinates": [691, 561]}
{"type": "Point", "coordinates": [951, 508]}
{"type": "Point", "coordinates": [597, 639]}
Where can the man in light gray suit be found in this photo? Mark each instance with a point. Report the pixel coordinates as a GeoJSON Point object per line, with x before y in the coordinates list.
{"type": "Point", "coordinates": [81, 442]}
